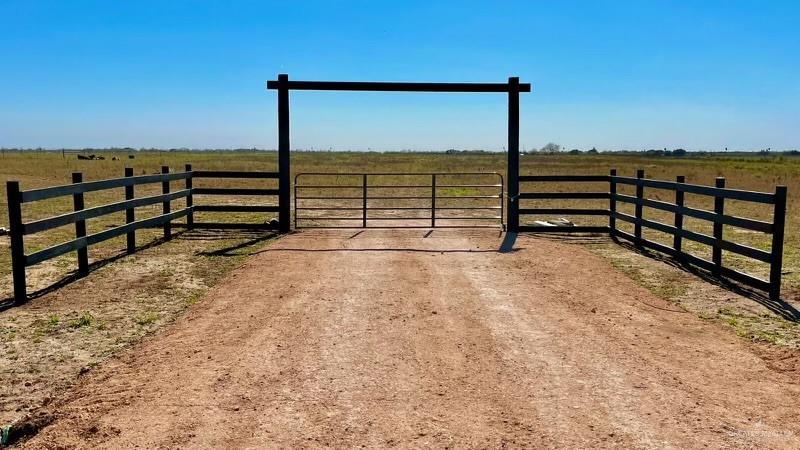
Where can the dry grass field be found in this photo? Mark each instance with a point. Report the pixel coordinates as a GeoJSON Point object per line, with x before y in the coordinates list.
{"type": "Point", "coordinates": [62, 333]}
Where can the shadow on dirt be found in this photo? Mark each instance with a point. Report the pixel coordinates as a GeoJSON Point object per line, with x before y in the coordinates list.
{"type": "Point", "coordinates": [780, 307]}
{"type": "Point", "coordinates": [250, 238]}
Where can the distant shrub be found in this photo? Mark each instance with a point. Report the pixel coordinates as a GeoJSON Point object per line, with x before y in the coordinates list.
{"type": "Point", "coordinates": [551, 147]}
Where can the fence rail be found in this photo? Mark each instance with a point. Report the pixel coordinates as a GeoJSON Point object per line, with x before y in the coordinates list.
{"type": "Point", "coordinates": [718, 218]}
{"type": "Point", "coordinates": [17, 198]}
{"type": "Point", "coordinates": [588, 195]}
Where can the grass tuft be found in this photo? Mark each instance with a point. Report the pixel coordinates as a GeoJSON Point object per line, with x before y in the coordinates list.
{"type": "Point", "coordinates": [86, 320]}
{"type": "Point", "coordinates": [147, 318]}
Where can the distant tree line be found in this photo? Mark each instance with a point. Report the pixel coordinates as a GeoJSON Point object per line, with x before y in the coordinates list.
{"type": "Point", "coordinates": [550, 148]}
{"type": "Point", "coordinates": [553, 148]}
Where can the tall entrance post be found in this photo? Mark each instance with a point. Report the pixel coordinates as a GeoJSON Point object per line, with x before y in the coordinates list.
{"type": "Point", "coordinates": [283, 86]}
{"type": "Point", "coordinates": [512, 205]}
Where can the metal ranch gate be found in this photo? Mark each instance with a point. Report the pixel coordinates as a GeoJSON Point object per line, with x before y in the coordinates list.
{"type": "Point", "coordinates": [398, 200]}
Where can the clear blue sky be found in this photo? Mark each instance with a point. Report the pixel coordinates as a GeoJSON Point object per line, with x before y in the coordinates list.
{"type": "Point", "coordinates": [611, 74]}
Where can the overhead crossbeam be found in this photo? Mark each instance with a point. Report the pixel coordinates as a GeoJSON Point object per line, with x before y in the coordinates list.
{"type": "Point", "coordinates": [389, 86]}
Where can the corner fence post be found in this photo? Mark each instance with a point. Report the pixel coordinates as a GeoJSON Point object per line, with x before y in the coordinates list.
{"type": "Point", "coordinates": [130, 213]}
{"type": "Point", "coordinates": [283, 153]}
{"type": "Point", "coordinates": [677, 239]}
{"type": "Point", "coordinates": [433, 201]}
{"type": "Point", "coordinates": [17, 242]}
{"type": "Point", "coordinates": [637, 228]}
{"type": "Point", "coordinates": [364, 201]}
{"type": "Point", "coordinates": [80, 227]}
{"type": "Point", "coordinates": [719, 209]}
{"type": "Point", "coordinates": [165, 206]}
{"type": "Point", "coordinates": [189, 198]}
{"type": "Point", "coordinates": [778, 225]}
{"type": "Point", "coordinates": [612, 202]}
{"type": "Point", "coordinates": [513, 155]}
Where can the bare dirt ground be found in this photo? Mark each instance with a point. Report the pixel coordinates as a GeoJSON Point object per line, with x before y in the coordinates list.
{"type": "Point", "coordinates": [395, 338]}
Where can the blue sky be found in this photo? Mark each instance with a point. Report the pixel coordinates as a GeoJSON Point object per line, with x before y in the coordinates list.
{"type": "Point", "coordinates": [606, 74]}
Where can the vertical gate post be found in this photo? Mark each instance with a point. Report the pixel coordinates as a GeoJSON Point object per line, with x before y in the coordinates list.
{"type": "Point", "coordinates": [283, 153]}
{"type": "Point", "coordinates": [295, 199]}
{"type": "Point", "coordinates": [80, 227]}
{"type": "Point", "coordinates": [778, 225]}
{"type": "Point", "coordinates": [612, 202]}
{"type": "Point", "coordinates": [17, 241]}
{"type": "Point", "coordinates": [364, 201]}
{"type": "Point", "coordinates": [130, 214]}
{"type": "Point", "coordinates": [680, 196]}
{"type": "Point", "coordinates": [165, 206]}
{"type": "Point", "coordinates": [719, 209]}
{"type": "Point", "coordinates": [513, 155]}
{"type": "Point", "coordinates": [637, 227]}
{"type": "Point", "coordinates": [433, 201]}
{"type": "Point", "coordinates": [189, 198]}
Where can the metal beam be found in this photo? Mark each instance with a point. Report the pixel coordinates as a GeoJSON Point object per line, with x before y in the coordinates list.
{"type": "Point", "coordinates": [390, 86]}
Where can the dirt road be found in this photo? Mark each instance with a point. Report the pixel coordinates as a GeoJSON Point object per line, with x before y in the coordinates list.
{"type": "Point", "coordinates": [384, 339]}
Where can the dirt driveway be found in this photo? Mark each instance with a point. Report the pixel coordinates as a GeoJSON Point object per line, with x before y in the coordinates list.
{"type": "Point", "coordinates": [399, 338]}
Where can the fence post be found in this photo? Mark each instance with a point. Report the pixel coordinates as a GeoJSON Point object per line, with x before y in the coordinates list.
{"type": "Point", "coordinates": [17, 241]}
{"type": "Point", "coordinates": [719, 209]}
{"type": "Point", "coordinates": [778, 225]}
{"type": "Point", "coordinates": [637, 229]}
{"type": "Point", "coordinates": [189, 199]}
{"type": "Point", "coordinates": [130, 213]}
{"type": "Point", "coordinates": [513, 155]}
{"type": "Point", "coordinates": [612, 203]}
{"type": "Point", "coordinates": [433, 201]}
{"type": "Point", "coordinates": [165, 206]}
{"type": "Point", "coordinates": [80, 227]}
{"type": "Point", "coordinates": [364, 201]}
{"type": "Point", "coordinates": [677, 239]}
{"type": "Point", "coordinates": [284, 154]}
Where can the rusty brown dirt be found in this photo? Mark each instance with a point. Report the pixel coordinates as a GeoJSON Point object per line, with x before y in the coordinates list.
{"type": "Point", "coordinates": [402, 339]}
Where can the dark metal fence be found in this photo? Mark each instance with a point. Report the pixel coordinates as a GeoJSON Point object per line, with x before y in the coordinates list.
{"type": "Point", "coordinates": [436, 212]}
{"type": "Point", "coordinates": [442, 196]}
{"type": "Point", "coordinates": [718, 218]}
{"type": "Point", "coordinates": [19, 229]}
{"type": "Point", "coordinates": [228, 192]}
{"type": "Point", "coordinates": [600, 211]}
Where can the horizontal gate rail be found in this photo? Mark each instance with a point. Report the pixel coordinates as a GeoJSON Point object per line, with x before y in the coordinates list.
{"type": "Point", "coordinates": [82, 241]}
{"type": "Point", "coordinates": [439, 215]}
{"type": "Point", "coordinates": [718, 218]}
{"type": "Point", "coordinates": [233, 174]}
